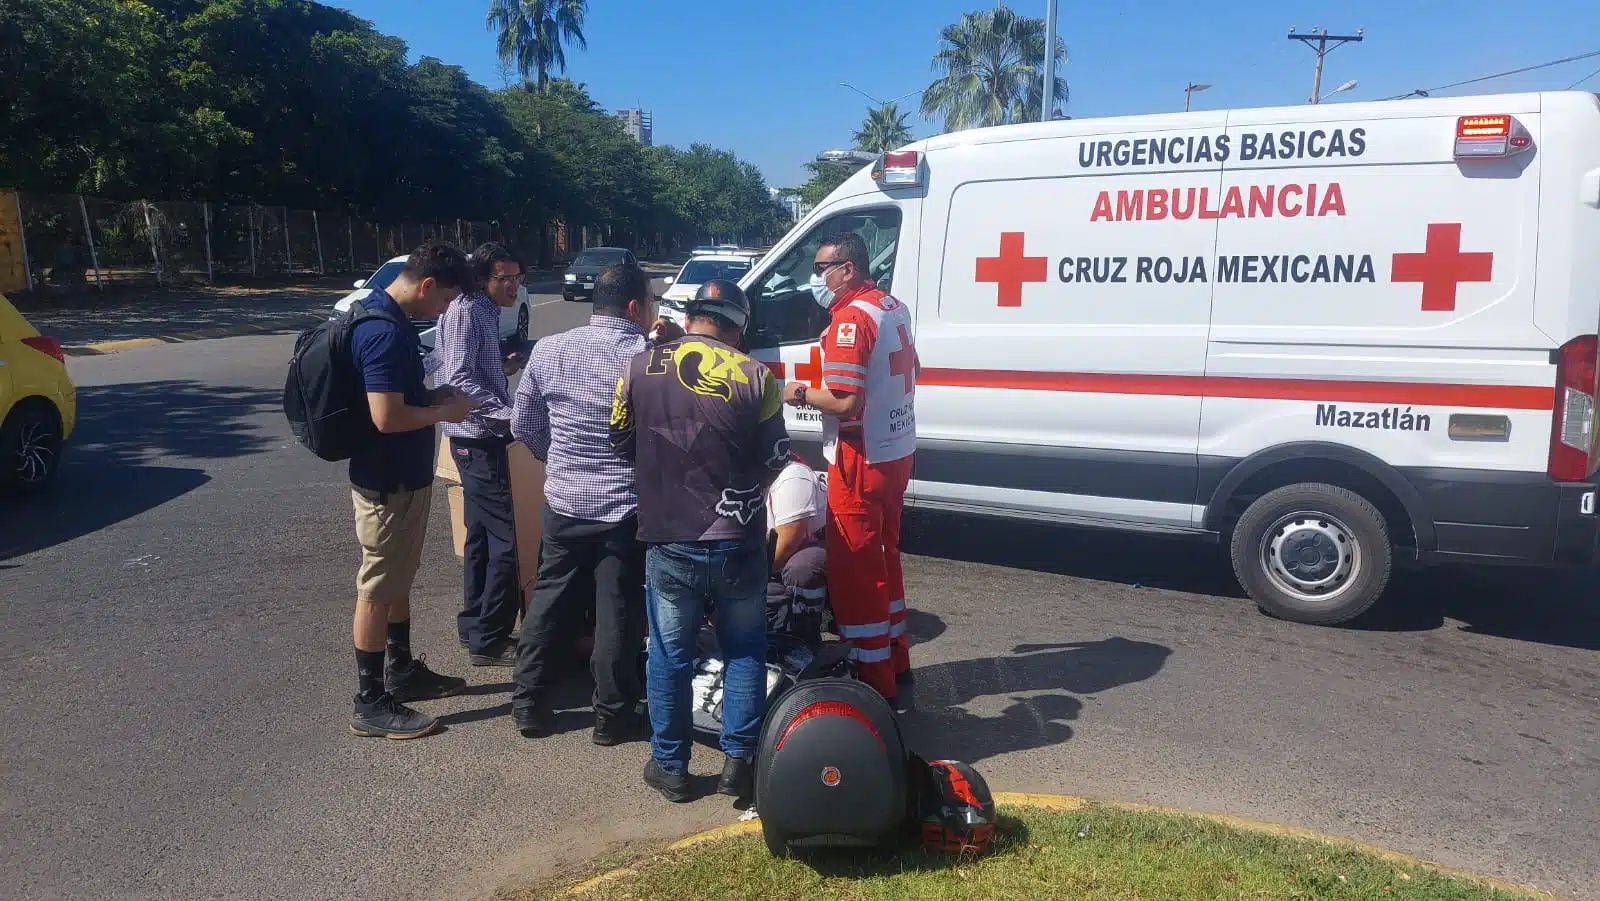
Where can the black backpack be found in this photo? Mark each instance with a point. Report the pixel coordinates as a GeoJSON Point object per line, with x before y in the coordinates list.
{"type": "Point", "coordinates": [322, 396]}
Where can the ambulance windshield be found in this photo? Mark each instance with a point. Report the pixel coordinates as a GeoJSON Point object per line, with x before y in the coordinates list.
{"type": "Point", "coordinates": [784, 310]}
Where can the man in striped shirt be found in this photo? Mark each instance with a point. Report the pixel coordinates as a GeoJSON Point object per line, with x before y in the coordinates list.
{"type": "Point", "coordinates": [468, 344]}
{"type": "Point", "coordinates": [590, 552]}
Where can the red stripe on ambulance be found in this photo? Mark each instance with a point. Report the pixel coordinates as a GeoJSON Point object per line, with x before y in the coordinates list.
{"type": "Point", "coordinates": [1428, 394]}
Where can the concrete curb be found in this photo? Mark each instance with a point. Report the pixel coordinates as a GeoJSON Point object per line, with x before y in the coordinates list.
{"type": "Point", "coordinates": [101, 348]}
{"type": "Point", "coordinates": [1067, 803]}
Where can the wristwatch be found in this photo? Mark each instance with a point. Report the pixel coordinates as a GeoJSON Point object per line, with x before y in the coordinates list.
{"type": "Point", "coordinates": [801, 396]}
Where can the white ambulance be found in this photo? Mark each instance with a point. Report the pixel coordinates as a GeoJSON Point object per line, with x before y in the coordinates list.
{"type": "Point", "coordinates": [1330, 336]}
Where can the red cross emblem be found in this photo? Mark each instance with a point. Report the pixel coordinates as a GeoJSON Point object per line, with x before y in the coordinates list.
{"type": "Point", "coordinates": [810, 372]}
{"type": "Point", "coordinates": [1442, 267]}
{"type": "Point", "coordinates": [1011, 269]}
{"type": "Point", "coordinates": [901, 361]}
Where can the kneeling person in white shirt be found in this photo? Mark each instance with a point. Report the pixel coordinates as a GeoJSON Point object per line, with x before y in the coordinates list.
{"type": "Point", "coordinates": [797, 589]}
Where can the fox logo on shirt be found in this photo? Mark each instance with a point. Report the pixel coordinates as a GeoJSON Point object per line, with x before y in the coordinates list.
{"type": "Point", "coordinates": [742, 505]}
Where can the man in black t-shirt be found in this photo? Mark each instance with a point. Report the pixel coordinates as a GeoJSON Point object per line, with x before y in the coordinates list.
{"type": "Point", "coordinates": [703, 423]}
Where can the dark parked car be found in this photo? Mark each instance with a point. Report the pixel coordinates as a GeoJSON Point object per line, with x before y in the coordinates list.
{"type": "Point", "coordinates": [579, 280]}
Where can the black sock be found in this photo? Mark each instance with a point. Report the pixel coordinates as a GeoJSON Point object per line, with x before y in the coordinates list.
{"type": "Point", "coordinates": [399, 643]}
{"type": "Point", "coordinates": [369, 674]}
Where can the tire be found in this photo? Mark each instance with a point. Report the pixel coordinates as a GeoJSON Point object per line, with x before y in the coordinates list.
{"type": "Point", "coordinates": [1312, 553]}
{"type": "Point", "coordinates": [30, 448]}
{"type": "Point", "coordinates": [522, 324]}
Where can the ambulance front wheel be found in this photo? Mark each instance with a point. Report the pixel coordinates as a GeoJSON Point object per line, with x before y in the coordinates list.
{"type": "Point", "coordinates": [1312, 553]}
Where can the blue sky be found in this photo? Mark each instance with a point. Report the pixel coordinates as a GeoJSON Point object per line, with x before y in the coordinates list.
{"type": "Point", "coordinates": [762, 78]}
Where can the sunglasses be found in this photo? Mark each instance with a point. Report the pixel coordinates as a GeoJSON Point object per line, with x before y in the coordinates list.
{"type": "Point", "coordinates": [822, 266]}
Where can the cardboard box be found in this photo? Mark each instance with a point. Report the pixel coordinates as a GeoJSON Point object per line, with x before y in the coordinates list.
{"type": "Point", "coordinates": [527, 498]}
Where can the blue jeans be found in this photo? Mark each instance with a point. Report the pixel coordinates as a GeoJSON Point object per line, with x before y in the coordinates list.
{"type": "Point", "coordinates": [679, 581]}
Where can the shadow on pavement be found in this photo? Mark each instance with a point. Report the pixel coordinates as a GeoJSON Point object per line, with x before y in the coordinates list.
{"type": "Point", "coordinates": [110, 469]}
{"type": "Point", "coordinates": [1171, 563]}
{"type": "Point", "coordinates": [1547, 606]}
{"type": "Point", "coordinates": [1038, 685]}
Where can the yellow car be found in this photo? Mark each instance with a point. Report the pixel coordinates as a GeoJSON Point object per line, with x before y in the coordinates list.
{"type": "Point", "coordinates": [38, 404]}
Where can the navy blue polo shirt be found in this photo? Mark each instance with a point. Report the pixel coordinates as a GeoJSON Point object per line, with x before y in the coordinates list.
{"type": "Point", "coordinates": [389, 360]}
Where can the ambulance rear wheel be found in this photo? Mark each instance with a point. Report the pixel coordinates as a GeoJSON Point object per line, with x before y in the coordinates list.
{"type": "Point", "coordinates": [1312, 553]}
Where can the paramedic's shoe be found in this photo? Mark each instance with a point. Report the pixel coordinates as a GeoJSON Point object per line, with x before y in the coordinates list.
{"type": "Point", "coordinates": [738, 779]}
{"type": "Point", "coordinates": [415, 682]}
{"type": "Point", "coordinates": [616, 730]}
{"type": "Point", "coordinates": [672, 786]}
{"type": "Point", "coordinates": [537, 721]}
{"type": "Point", "coordinates": [388, 718]}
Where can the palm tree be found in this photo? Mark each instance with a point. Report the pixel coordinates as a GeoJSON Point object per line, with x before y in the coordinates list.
{"type": "Point", "coordinates": [992, 71]}
{"type": "Point", "coordinates": [884, 129]}
{"type": "Point", "coordinates": [532, 34]}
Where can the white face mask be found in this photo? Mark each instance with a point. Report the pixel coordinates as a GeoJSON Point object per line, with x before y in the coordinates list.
{"type": "Point", "coordinates": [821, 291]}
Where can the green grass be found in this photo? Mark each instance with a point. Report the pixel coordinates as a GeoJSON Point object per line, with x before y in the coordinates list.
{"type": "Point", "coordinates": [1093, 854]}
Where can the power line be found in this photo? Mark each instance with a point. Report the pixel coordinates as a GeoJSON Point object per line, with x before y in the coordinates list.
{"type": "Point", "coordinates": [1583, 79]}
{"type": "Point", "coordinates": [1558, 62]}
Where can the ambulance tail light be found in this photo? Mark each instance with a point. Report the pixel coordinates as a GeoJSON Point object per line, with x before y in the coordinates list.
{"type": "Point", "coordinates": [898, 169]}
{"type": "Point", "coordinates": [1572, 427]}
{"type": "Point", "coordinates": [1490, 136]}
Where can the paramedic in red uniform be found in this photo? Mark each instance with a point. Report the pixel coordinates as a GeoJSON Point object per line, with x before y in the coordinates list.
{"type": "Point", "coordinates": [869, 367]}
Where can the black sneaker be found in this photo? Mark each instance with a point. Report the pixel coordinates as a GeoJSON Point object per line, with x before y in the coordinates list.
{"type": "Point", "coordinates": [537, 721]}
{"type": "Point", "coordinates": [415, 682]}
{"type": "Point", "coordinates": [738, 778]}
{"type": "Point", "coordinates": [388, 718]}
{"type": "Point", "coordinates": [672, 786]}
{"type": "Point", "coordinates": [501, 653]}
{"type": "Point", "coordinates": [615, 730]}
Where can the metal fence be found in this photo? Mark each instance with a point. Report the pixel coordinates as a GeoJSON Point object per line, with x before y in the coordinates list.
{"type": "Point", "coordinates": [73, 241]}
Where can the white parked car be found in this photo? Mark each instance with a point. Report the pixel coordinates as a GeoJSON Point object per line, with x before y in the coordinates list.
{"type": "Point", "coordinates": [513, 319]}
{"type": "Point", "coordinates": [702, 268]}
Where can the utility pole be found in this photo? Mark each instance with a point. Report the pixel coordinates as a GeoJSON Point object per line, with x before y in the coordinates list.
{"type": "Point", "coordinates": [1318, 40]}
{"type": "Point", "coordinates": [1190, 90]}
{"type": "Point", "coordinates": [1049, 62]}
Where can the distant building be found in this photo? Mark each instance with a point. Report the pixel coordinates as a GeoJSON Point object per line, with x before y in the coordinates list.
{"type": "Point", "coordinates": [798, 209]}
{"type": "Point", "coordinates": [639, 125]}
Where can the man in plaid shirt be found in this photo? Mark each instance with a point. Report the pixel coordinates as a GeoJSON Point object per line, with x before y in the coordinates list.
{"type": "Point", "coordinates": [590, 552]}
{"type": "Point", "coordinates": [468, 344]}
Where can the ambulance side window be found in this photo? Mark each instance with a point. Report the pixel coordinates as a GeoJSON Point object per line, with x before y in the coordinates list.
{"type": "Point", "coordinates": [783, 309]}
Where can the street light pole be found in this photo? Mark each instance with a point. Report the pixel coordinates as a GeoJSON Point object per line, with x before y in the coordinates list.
{"type": "Point", "coordinates": [1320, 37]}
{"type": "Point", "coordinates": [1049, 62]}
{"type": "Point", "coordinates": [1190, 90]}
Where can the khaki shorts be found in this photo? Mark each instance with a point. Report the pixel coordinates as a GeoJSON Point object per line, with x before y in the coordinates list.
{"type": "Point", "coordinates": [391, 536]}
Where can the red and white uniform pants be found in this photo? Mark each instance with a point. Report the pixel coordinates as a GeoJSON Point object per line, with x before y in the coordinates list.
{"type": "Point", "coordinates": [865, 585]}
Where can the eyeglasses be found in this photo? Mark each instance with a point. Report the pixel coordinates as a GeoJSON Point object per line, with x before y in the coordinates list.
{"type": "Point", "coordinates": [821, 266]}
{"type": "Point", "coordinates": [506, 278]}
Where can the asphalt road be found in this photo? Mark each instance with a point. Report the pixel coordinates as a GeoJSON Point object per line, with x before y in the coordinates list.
{"type": "Point", "coordinates": [176, 646]}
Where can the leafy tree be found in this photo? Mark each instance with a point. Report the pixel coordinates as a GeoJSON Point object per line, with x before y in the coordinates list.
{"type": "Point", "coordinates": [884, 129]}
{"type": "Point", "coordinates": [532, 34]}
{"type": "Point", "coordinates": [825, 177]}
{"type": "Point", "coordinates": [293, 103]}
{"type": "Point", "coordinates": [992, 65]}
